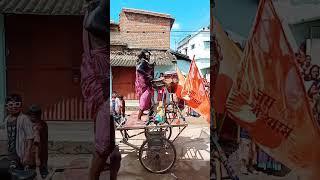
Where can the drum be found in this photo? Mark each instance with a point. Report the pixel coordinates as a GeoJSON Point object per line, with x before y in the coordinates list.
{"type": "Point", "coordinates": [170, 76]}
{"type": "Point", "coordinates": [158, 83]}
{"type": "Point", "coordinates": [171, 80]}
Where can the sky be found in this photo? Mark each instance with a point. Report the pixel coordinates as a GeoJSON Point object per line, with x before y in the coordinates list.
{"type": "Point", "coordinates": [189, 15]}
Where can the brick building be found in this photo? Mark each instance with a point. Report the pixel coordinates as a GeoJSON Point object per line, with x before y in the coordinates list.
{"type": "Point", "coordinates": [142, 29]}
{"type": "Point", "coordinates": [137, 30]}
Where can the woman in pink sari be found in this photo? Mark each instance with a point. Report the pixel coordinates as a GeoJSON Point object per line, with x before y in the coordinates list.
{"type": "Point", "coordinates": [95, 78]}
{"type": "Point", "coordinates": [144, 75]}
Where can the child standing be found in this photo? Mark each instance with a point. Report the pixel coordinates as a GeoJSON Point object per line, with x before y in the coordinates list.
{"type": "Point", "coordinates": [120, 106]}
{"type": "Point", "coordinates": [20, 134]}
{"type": "Point", "coordinates": [113, 102]}
{"type": "Point", "coordinates": [40, 142]}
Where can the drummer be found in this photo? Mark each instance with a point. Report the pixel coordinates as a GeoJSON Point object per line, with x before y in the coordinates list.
{"type": "Point", "coordinates": [144, 76]}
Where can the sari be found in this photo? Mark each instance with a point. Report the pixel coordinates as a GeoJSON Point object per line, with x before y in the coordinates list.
{"type": "Point", "coordinates": [144, 73]}
{"type": "Point", "coordinates": [95, 77]}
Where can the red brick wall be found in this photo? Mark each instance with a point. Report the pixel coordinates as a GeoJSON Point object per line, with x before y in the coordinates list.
{"type": "Point", "coordinates": [145, 31]}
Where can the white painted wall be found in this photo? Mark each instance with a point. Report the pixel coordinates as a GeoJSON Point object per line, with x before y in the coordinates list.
{"type": "Point", "coordinates": [200, 51]}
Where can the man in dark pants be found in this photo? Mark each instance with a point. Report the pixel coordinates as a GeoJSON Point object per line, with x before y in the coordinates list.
{"type": "Point", "coordinates": [95, 77]}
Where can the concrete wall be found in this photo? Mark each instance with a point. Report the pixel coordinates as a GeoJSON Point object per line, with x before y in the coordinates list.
{"type": "Point", "coordinates": [301, 31]}
{"type": "Point", "coordinates": [2, 69]}
{"type": "Point", "coordinates": [236, 16]}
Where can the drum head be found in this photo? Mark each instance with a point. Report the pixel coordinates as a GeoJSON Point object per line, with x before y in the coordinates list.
{"type": "Point", "coordinates": [158, 82]}
{"type": "Point", "coordinates": [170, 73]}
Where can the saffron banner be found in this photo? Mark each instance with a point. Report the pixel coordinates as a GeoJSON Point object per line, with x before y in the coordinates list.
{"type": "Point", "coordinates": [268, 97]}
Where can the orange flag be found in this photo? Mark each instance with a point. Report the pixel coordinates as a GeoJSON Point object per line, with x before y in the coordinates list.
{"type": "Point", "coordinates": [180, 84]}
{"type": "Point", "coordinates": [231, 57]}
{"type": "Point", "coordinates": [194, 92]}
{"type": "Point", "coordinates": [269, 100]}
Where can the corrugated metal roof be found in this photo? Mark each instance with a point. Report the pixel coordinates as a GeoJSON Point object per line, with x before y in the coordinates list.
{"type": "Point", "coordinates": [43, 7]}
{"type": "Point", "coordinates": [129, 57]}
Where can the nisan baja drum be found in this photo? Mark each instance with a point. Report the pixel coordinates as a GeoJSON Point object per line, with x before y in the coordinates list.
{"type": "Point", "coordinates": [158, 83]}
{"type": "Point", "coordinates": [171, 80]}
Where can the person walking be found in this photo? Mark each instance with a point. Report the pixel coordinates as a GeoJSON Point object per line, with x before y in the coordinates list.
{"type": "Point", "coordinates": [95, 78]}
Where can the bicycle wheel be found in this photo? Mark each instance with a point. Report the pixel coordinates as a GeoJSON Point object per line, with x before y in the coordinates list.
{"type": "Point", "coordinates": [167, 132]}
{"type": "Point", "coordinates": [157, 155]}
